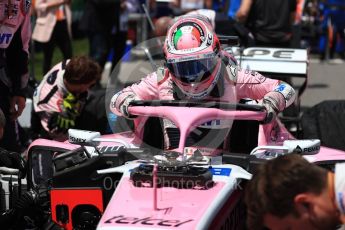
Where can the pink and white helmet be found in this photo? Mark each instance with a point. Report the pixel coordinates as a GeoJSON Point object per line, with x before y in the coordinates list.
{"type": "Point", "coordinates": [192, 56]}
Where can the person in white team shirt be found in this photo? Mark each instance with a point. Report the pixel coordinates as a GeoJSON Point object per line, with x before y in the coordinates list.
{"type": "Point", "coordinates": [290, 193]}
{"type": "Point", "coordinates": [60, 97]}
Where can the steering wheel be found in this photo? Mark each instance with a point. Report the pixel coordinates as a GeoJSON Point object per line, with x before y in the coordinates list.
{"type": "Point", "coordinates": [199, 104]}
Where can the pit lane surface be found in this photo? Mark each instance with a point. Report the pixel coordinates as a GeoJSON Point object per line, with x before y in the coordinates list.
{"type": "Point", "coordinates": [326, 82]}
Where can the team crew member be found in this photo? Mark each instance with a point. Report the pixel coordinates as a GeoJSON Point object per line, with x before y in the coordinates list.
{"type": "Point", "coordinates": [270, 21]}
{"type": "Point", "coordinates": [61, 95]}
{"type": "Point", "coordinates": [8, 158]}
{"type": "Point", "coordinates": [15, 32]}
{"type": "Point", "coordinates": [290, 193]}
{"type": "Point", "coordinates": [197, 68]}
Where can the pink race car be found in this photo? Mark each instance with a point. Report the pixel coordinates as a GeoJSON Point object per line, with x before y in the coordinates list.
{"type": "Point", "coordinates": [117, 181]}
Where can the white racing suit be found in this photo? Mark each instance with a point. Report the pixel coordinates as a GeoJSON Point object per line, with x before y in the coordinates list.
{"type": "Point", "coordinates": [234, 84]}
{"type": "Point", "coordinates": [50, 99]}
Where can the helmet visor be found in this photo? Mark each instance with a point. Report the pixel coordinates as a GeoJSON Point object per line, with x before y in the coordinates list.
{"type": "Point", "coordinates": [193, 71]}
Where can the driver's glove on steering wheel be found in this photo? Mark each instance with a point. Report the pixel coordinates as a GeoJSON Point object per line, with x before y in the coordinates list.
{"type": "Point", "coordinates": [124, 106]}
{"type": "Point", "coordinates": [271, 111]}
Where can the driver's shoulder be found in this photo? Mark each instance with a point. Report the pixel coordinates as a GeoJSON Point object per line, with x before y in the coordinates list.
{"type": "Point", "coordinates": [231, 68]}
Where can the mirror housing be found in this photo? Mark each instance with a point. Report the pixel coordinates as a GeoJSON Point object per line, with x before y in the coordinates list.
{"type": "Point", "coordinates": [229, 40]}
{"type": "Point", "coordinates": [82, 137]}
{"type": "Point", "coordinates": [304, 147]}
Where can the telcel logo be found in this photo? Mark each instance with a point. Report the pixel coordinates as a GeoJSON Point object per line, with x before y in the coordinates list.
{"type": "Point", "coordinates": [146, 221]}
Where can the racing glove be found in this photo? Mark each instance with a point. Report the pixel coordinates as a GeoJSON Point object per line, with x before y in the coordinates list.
{"type": "Point", "coordinates": [271, 110]}
{"type": "Point", "coordinates": [124, 106]}
{"type": "Point", "coordinates": [61, 122]}
{"type": "Point", "coordinates": [71, 104]}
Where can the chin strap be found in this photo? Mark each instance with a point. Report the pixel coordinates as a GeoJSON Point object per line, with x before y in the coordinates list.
{"type": "Point", "coordinates": [216, 92]}
{"type": "Point", "coordinates": [177, 93]}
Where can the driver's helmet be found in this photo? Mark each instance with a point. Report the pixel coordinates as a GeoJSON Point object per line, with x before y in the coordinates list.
{"type": "Point", "coordinates": [192, 53]}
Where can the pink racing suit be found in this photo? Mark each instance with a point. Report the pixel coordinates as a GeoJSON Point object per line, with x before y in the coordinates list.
{"type": "Point", "coordinates": [48, 98]}
{"type": "Point", "coordinates": [237, 84]}
{"type": "Point", "coordinates": [15, 33]}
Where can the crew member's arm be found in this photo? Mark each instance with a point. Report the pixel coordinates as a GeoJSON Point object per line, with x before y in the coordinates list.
{"type": "Point", "coordinates": [17, 66]}
{"type": "Point", "coordinates": [46, 100]}
{"type": "Point", "coordinates": [43, 6]}
{"type": "Point", "coordinates": [293, 11]}
{"type": "Point", "coordinates": [208, 4]}
{"type": "Point", "coordinates": [12, 160]}
{"type": "Point", "coordinates": [146, 89]}
{"type": "Point", "coordinates": [243, 11]}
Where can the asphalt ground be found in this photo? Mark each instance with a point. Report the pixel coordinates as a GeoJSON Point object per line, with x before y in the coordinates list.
{"type": "Point", "coordinates": [326, 81]}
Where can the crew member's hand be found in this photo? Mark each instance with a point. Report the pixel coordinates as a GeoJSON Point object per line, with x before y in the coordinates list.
{"type": "Point", "coordinates": [17, 105]}
{"type": "Point", "coordinates": [60, 123]}
{"type": "Point", "coordinates": [12, 160]}
{"type": "Point", "coordinates": [123, 5]}
{"type": "Point", "coordinates": [271, 111]}
{"type": "Point", "coordinates": [18, 162]}
{"type": "Point", "coordinates": [70, 106]}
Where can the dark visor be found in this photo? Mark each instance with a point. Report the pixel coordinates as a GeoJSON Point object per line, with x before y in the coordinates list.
{"type": "Point", "coordinates": [193, 71]}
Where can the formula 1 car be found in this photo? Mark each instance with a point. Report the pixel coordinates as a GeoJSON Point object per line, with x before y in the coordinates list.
{"type": "Point", "coordinates": [118, 181]}
{"type": "Point", "coordinates": [129, 180]}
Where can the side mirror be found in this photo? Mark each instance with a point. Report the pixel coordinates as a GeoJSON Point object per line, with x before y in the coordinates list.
{"type": "Point", "coordinates": [229, 40]}
{"type": "Point", "coordinates": [82, 137]}
{"type": "Point", "coordinates": [304, 147]}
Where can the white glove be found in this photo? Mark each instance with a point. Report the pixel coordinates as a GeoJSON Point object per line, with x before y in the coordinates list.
{"type": "Point", "coordinates": [271, 109]}
{"type": "Point", "coordinates": [124, 106]}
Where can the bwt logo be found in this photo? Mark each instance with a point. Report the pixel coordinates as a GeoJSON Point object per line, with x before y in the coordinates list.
{"type": "Point", "coordinates": [76, 139]}
{"type": "Point", "coordinates": [5, 38]}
